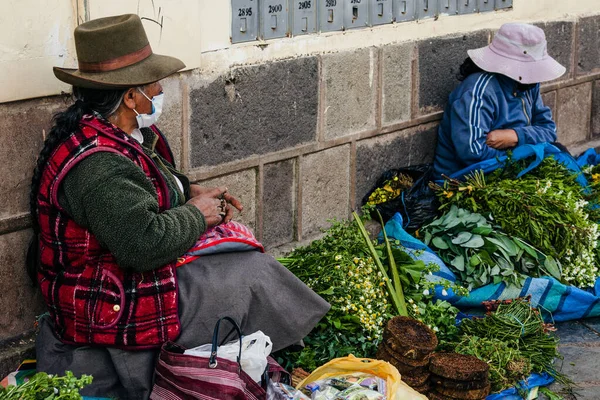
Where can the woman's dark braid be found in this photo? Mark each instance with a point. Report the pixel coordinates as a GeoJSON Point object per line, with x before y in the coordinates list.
{"type": "Point", "coordinates": [467, 68]}
{"type": "Point", "coordinates": [104, 102]}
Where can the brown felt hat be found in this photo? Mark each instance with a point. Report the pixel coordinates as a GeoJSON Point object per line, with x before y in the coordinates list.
{"type": "Point", "coordinates": [114, 52]}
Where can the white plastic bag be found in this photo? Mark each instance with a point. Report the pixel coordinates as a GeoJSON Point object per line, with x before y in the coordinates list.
{"type": "Point", "coordinates": [255, 349]}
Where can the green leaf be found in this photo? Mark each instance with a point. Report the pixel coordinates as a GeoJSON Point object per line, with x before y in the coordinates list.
{"type": "Point", "coordinates": [458, 263]}
{"type": "Point", "coordinates": [337, 323]}
{"type": "Point", "coordinates": [552, 267]}
{"type": "Point", "coordinates": [439, 243]}
{"type": "Point", "coordinates": [462, 237]}
{"type": "Point", "coordinates": [475, 242]}
{"type": "Point", "coordinates": [483, 230]}
{"type": "Point", "coordinates": [327, 292]}
{"type": "Point", "coordinates": [495, 270]}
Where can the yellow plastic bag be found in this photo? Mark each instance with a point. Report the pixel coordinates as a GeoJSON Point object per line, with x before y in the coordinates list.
{"type": "Point", "coordinates": [396, 389]}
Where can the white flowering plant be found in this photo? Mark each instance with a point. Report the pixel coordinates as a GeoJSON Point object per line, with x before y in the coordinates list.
{"type": "Point", "coordinates": [546, 208]}
{"type": "Point", "coordinates": [348, 271]}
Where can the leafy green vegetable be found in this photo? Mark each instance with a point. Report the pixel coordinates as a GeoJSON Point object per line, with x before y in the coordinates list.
{"type": "Point", "coordinates": [546, 208]}
{"type": "Point", "coordinates": [514, 340]}
{"type": "Point", "coordinates": [42, 386]}
{"type": "Point", "coordinates": [479, 255]}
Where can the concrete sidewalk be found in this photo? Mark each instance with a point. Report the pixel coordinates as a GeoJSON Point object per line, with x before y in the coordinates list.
{"type": "Point", "coordinates": [580, 347]}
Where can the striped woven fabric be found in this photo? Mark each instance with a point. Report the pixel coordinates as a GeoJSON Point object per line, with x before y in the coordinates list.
{"type": "Point", "coordinates": [229, 237]}
{"type": "Point", "coordinates": [182, 376]}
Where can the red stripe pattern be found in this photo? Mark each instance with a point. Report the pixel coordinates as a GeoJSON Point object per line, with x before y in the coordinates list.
{"type": "Point", "coordinates": [90, 298]}
{"type": "Point", "coordinates": [182, 376]}
{"type": "Point", "coordinates": [231, 236]}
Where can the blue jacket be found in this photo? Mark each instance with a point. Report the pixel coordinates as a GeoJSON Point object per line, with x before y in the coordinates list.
{"type": "Point", "coordinates": [482, 103]}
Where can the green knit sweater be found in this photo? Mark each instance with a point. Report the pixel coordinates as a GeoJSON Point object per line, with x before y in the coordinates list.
{"type": "Point", "coordinates": [112, 197]}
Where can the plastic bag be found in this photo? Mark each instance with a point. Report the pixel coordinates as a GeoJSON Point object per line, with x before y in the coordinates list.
{"type": "Point", "coordinates": [255, 349]}
{"type": "Point", "coordinates": [396, 389]}
{"type": "Point", "coordinates": [281, 391]}
{"type": "Point", "coordinates": [418, 204]}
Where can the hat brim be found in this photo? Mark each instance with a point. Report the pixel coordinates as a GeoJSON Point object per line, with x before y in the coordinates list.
{"type": "Point", "coordinates": [152, 69]}
{"type": "Point", "coordinates": [528, 72]}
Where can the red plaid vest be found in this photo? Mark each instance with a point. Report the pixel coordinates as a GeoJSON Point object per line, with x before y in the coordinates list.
{"type": "Point", "coordinates": [90, 298]}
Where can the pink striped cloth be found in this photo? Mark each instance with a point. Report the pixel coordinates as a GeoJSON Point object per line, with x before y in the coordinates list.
{"type": "Point", "coordinates": [224, 238]}
{"type": "Point", "coordinates": [183, 376]}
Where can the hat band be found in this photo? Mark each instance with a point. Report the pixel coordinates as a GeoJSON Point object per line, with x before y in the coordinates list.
{"type": "Point", "coordinates": [116, 63]}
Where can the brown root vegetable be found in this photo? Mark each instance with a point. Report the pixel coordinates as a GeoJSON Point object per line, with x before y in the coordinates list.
{"type": "Point", "coordinates": [459, 367]}
{"type": "Point", "coordinates": [472, 394]}
{"type": "Point", "coordinates": [460, 385]}
{"type": "Point", "coordinates": [409, 338]}
{"type": "Point", "coordinates": [403, 365]}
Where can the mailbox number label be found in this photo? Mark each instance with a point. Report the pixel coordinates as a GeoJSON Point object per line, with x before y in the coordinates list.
{"type": "Point", "coordinates": [245, 12]}
{"type": "Point", "coordinates": [330, 3]}
{"type": "Point", "coordinates": [355, 1]}
{"type": "Point", "coordinates": [275, 9]}
{"type": "Point", "coordinates": [304, 5]}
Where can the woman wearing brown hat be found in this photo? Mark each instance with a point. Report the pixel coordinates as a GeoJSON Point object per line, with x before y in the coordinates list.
{"type": "Point", "coordinates": [111, 217]}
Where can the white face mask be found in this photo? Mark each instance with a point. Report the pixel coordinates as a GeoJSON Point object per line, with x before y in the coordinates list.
{"type": "Point", "coordinates": [146, 120]}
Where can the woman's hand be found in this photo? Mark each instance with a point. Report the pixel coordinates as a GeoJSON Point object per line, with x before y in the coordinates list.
{"type": "Point", "coordinates": [502, 139]}
{"type": "Point", "coordinates": [214, 203]}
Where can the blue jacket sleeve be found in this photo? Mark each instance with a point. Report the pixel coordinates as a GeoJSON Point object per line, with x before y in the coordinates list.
{"type": "Point", "coordinates": [471, 118]}
{"type": "Point", "coordinates": [542, 128]}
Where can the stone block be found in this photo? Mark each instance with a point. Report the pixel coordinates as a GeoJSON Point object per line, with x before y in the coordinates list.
{"type": "Point", "coordinates": [254, 110]}
{"type": "Point", "coordinates": [279, 193]}
{"type": "Point", "coordinates": [574, 112]}
{"type": "Point", "coordinates": [350, 87]}
{"type": "Point", "coordinates": [325, 188]}
{"type": "Point", "coordinates": [580, 363]}
{"type": "Point", "coordinates": [422, 146]}
{"type": "Point", "coordinates": [576, 332]}
{"type": "Point", "coordinates": [559, 35]}
{"type": "Point", "coordinates": [242, 185]}
{"type": "Point", "coordinates": [21, 138]}
{"type": "Point", "coordinates": [171, 120]}
{"type": "Point", "coordinates": [549, 100]}
{"type": "Point", "coordinates": [589, 51]}
{"type": "Point", "coordinates": [400, 149]}
{"type": "Point", "coordinates": [13, 352]}
{"type": "Point", "coordinates": [439, 63]}
{"type": "Point", "coordinates": [20, 302]}
{"type": "Point", "coordinates": [596, 109]}
{"type": "Point", "coordinates": [397, 81]}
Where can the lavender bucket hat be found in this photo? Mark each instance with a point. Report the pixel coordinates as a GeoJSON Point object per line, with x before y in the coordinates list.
{"type": "Point", "coordinates": [518, 51]}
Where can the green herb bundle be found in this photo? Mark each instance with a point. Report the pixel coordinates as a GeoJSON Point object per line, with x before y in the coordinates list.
{"type": "Point", "coordinates": [42, 386]}
{"type": "Point", "coordinates": [365, 283]}
{"type": "Point", "coordinates": [546, 208]}
{"type": "Point", "coordinates": [514, 340]}
{"type": "Point", "coordinates": [340, 269]}
{"type": "Point", "coordinates": [479, 254]}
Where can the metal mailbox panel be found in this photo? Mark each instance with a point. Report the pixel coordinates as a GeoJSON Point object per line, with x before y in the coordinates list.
{"type": "Point", "coordinates": [356, 14]}
{"type": "Point", "coordinates": [244, 20]}
{"type": "Point", "coordinates": [486, 5]}
{"type": "Point", "coordinates": [274, 19]}
{"type": "Point", "coordinates": [331, 15]}
{"type": "Point", "coordinates": [449, 7]}
{"type": "Point", "coordinates": [381, 12]}
{"type": "Point", "coordinates": [467, 6]}
{"type": "Point", "coordinates": [304, 16]}
{"type": "Point", "coordinates": [503, 4]}
{"type": "Point", "coordinates": [404, 10]}
{"type": "Point", "coordinates": [426, 8]}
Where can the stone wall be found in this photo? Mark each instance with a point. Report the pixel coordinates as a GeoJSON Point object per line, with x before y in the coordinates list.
{"type": "Point", "coordinates": [299, 141]}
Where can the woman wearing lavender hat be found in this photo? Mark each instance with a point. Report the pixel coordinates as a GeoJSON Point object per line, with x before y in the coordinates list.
{"type": "Point", "coordinates": [498, 105]}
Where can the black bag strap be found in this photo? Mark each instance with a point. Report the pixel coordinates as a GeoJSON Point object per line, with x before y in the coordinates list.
{"type": "Point", "coordinates": [212, 362]}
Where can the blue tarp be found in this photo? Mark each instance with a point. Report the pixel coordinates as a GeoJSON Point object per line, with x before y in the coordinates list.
{"type": "Point", "coordinates": [559, 301]}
